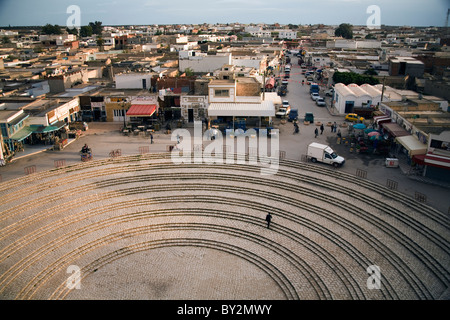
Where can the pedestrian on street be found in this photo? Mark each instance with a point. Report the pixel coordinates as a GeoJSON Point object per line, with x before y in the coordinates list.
{"type": "Point", "coordinates": [316, 132]}
{"type": "Point", "coordinates": [332, 128]}
{"type": "Point", "coordinates": [268, 219]}
{"type": "Point", "coordinates": [321, 128]}
{"type": "Point", "coordinates": [151, 138]}
{"type": "Point", "coordinates": [335, 126]}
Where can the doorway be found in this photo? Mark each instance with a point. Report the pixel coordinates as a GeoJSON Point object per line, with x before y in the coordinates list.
{"type": "Point", "coordinates": [349, 106]}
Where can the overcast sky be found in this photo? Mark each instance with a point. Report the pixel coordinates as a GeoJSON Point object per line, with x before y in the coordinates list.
{"type": "Point", "coordinates": [146, 12]}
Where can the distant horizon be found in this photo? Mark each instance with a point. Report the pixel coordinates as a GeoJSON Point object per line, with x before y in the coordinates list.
{"type": "Point", "coordinates": [174, 24]}
{"type": "Point", "coordinates": [414, 13]}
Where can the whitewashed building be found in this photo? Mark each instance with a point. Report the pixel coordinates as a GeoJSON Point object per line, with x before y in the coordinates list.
{"type": "Point", "coordinates": [353, 96]}
{"type": "Point", "coordinates": [287, 34]}
{"type": "Point", "coordinates": [133, 80]}
{"type": "Point", "coordinates": [202, 63]}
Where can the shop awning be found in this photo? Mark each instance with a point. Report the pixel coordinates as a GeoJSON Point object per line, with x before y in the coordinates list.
{"type": "Point", "coordinates": [419, 159]}
{"type": "Point", "coordinates": [437, 161]}
{"type": "Point", "coordinates": [263, 109]}
{"type": "Point", "coordinates": [395, 130]}
{"type": "Point", "coordinates": [414, 146]}
{"type": "Point", "coordinates": [22, 133]}
{"type": "Point", "coordinates": [55, 126]}
{"type": "Point", "coordinates": [381, 119]}
{"type": "Point", "coordinates": [141, 110]}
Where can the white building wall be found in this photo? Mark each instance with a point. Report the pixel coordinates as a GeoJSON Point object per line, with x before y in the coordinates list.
{"type": "Point", "coordinates": [287, 34]}
{"type": "Point", "coordinates": [368, 44]}
{"type": "Point", "coordinates": [253, 62]}
{"type": "Point", "coordinates": [132, 81]}
{"type": "Point", "coordinates": [230, 98]}
{"type": "Point", "coordinates": [204, 64]}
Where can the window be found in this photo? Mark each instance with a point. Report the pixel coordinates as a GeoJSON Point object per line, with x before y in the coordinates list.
{"type": "Point", "coordinates": [221, 93]}
{"type": "Point", "coordinates": [119, 113]}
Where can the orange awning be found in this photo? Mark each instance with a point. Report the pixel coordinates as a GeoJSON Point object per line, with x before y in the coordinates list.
{"type": "Point", "coordinates": [141, 110]}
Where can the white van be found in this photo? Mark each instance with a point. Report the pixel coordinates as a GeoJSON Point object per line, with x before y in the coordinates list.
{"type": "Point", "coordinates": [323, 153]}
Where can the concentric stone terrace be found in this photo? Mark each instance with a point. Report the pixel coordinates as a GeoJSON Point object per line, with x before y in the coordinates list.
{"type": "Point", "coordinates": [142, 227]}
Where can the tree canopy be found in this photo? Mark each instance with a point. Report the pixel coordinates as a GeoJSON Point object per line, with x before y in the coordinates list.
{"type": "Point", "coordinates": [72, 31]}
{"type": "Point", "coordinates": [51, 29]}
{"type": "Point", "coordinates": [344, 30]}
{"type": "Point", "coordinates": [351, 77]}
{"type": "Point", "coordinates": [85, 31]}
{"type": "Point", "coordinates": [96, 26]}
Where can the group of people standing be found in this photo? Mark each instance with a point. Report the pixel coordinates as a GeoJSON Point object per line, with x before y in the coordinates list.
{"type": "Point", "coordinates": [322, 128]}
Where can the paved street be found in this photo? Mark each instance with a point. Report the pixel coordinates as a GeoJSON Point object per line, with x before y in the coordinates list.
{"type": "Point", "coordinates": [105, 137]}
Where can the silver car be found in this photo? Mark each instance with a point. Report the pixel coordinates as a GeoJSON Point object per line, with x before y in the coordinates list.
{"type": "Point", "coordinates": [320, 102]}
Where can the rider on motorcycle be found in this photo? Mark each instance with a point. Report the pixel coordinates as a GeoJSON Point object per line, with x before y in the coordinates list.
{"type": "Point", "coordinates": [86, 149]}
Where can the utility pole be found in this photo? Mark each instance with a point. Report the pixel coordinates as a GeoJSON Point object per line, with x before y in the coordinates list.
{"type": "Point", "coordinates": [446, 19]}
{"type": "Point", "coordinates": [264, 85]}
{"type": "Point", "coordinates": [124, 114]}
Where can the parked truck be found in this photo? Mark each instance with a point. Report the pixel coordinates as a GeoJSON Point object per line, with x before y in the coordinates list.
{"type": "Point", "coordinates": [323, 153]}
{"type": "Point", "coordinates": [293, 115]}
{"type": "Point", "coordinates": [314, 88]}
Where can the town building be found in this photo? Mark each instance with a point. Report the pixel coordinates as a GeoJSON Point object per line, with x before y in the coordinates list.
{"type": "Point", "coordinates": [238, 104]}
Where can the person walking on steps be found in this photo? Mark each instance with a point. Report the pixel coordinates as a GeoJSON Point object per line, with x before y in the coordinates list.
{"type": "Point", "coordinates": [268, 219]}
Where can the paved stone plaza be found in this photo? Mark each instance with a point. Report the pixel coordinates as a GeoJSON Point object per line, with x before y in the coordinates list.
{"type": "Point", "coordinates": [141, 227]}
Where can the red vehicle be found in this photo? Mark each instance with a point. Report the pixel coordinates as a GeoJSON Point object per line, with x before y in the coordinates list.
{"type": "Point", "coordinates": [270, 83]}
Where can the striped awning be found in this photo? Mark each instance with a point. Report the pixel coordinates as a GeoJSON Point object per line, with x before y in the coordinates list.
{"type": "Point", "coordinates": [437, 161]}
{"type": "Point", "coordinates": [141, 110]}
{"type": "Point", "coordinates": [381, 119]}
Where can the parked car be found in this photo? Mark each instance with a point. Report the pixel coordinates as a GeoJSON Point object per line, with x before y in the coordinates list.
{"type": "Point", "coordinates": [309, 116]}
{"type": "Point", "coordinates": [285, 103]}
{"type": "Point", "coordinates": [354, 117]}
{"type": "Point", "coordinates": [282, 91]}
{"type": "Point", "coordinates": [329, 92]}
{"type": "Point", "coordinates": [283, 112]}
{"type": "Point", "coordinates": [320, 102]}
{"type": "Point", "coordinates": [315, 96]}
{"type": "Point", "coordinates": [285, 82]}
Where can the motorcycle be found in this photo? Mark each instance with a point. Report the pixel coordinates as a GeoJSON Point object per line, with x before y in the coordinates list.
{"type": "Point", "coordinates": [86, 155]}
